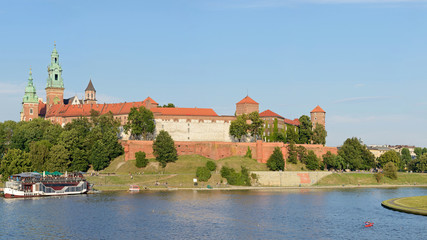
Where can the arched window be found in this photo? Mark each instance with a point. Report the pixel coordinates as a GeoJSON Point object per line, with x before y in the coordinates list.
{"type": "Point", "coordinates": [91, 95]}
{"type": "Point", "coordinates": [31, 111]}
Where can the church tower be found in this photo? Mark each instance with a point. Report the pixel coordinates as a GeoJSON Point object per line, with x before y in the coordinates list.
{"type": "Point", "coordinates": [90, 94]}
{"type": "Point", "coordinates": [30, 102]}
{"type": "Point", "coordinates": [55, 84]}
{"type": "Point", "coordinates": [318, 116]}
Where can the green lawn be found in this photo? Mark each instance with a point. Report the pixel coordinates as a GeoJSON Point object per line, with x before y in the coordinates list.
{"type": "Point", "coordinates": [419, 202]}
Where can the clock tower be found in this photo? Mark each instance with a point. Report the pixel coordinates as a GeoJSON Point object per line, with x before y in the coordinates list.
{"type": "Point", "coordinates": [55, 84]}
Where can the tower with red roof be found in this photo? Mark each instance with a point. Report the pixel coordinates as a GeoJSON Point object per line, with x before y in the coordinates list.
{"type": "Point", "coordinates": [318, 116]}
{"type": "Point", "coordinates": [246, 106]}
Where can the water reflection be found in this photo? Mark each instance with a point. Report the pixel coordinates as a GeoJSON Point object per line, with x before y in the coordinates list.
{"type": "Point", "coordinates": [296, 213]}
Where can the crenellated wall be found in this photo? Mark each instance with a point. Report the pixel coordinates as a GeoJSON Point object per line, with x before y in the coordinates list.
{"type": "Point", "coordinates": [261, 151]}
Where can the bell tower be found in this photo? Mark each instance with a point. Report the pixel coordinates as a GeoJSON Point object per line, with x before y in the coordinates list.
{"type": "Point", "coordinates": [90, 94]}
{"type": "Point", "coordinates": [30, 102]}
{"type": "Point", "coordinates": [55, 84]}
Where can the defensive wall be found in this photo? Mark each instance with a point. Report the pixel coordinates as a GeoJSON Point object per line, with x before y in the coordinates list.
{"type": "Point", "coordinates": [261, 151]}
{"type": "Point", "coordinates": [288, 179]}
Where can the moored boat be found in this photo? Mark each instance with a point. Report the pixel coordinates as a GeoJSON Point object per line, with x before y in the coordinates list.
{"type": "Point", "coordinates": [33, 184]}
{"type": "Point", "coordinates": [134, 188]}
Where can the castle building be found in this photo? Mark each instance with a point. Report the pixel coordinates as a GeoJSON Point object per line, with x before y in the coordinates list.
{"type": "Point", "coordinates": [183, 124]}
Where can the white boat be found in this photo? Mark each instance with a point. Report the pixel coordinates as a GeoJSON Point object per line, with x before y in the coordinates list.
{"type": "Point", "coordinates": [134, 188]}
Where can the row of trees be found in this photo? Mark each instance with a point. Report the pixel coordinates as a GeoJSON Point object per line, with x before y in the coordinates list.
{"type": "Point", "coordinates": [247, 126]}
{"type": "Point", "coordinates": [40, 145]}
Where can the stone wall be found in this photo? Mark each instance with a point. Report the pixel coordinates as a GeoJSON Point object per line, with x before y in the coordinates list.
{"type": "Point", "coordinates": [289, 179]}
{"type": "Point", "coordinates": [261, 151]}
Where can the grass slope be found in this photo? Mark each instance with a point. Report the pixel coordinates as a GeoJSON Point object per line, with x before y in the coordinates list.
{"type": "Point", "coordinates": [369, 179]}
{"type": "Point", "coordinates": [414, 205]}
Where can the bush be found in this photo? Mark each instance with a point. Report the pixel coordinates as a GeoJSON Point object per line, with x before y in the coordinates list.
{"type": "Point", "coordinates": [234, 178]}
{"type": "Point", "coordinates": [141, 161]}
{"type": "Point", "coordinates": [390, 170]}
{"type": "Point", "coordinates": [378, 177]}
{"type": "Point", "coordinates": [203, 174]}
{"type": "Point", "coordinates": [312, 162]}
{"type": "Point", "coordinates": [275, 161]}
{"type": "Point", "coordinates": [211, 165]}
{"type": "Point", "coordinates": [248, 153]}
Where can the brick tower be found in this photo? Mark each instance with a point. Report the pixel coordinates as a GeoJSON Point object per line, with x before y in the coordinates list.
{"type": "Point", "coordinates": [30, 103]}
{"type": "Point", "coordinates": [246, 106]}
{"type": "Point", "coordinates": [55, 84]}
{"type": "Point", "coordinates": [318, 116]}
{"type": "Point", "coordinates": [90, 94]}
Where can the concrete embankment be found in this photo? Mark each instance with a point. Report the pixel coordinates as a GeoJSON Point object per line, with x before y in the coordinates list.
{"type": "Point", "coordinates": [289, 179]}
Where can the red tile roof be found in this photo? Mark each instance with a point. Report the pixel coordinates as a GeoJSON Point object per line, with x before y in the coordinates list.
{"type": "Point", "coordinates": [151, 100]}
{"type": "Point", "coordinates": [269, 113]}
{"type": "Point", "coordinates": [247, 99]}
{"type": "Point", "coordinates": [318, 109]}
{"type": "Point", "coordinates": [294, 122]}
{"type": "Point", "coordinates": [185, 111]}
{"type": "Point", "coordinates": [42, 108]}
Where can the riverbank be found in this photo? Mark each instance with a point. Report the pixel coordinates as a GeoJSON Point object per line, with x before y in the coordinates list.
{"type": "Point", "coordinates": [413, 205]}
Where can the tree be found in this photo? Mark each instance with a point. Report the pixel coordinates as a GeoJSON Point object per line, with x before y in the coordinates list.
{"type": "Point", "coordinates": [418, 151]}
{"type": "Point", "coordinates": [305, 129]}
{"type": "Point", "coordinates": [6, 132]}
{"type": "Point", "coordinates": [203, 174]}
{"type": "Point", "coordinates": [239, 127]}
{"type": "Point", "coordinates": [355, 155]}
{"type": "Point", "coordinates": [211, 165]}
{"type": "Point", "coordinates": [13, 162]}
{"type": "Point", "coordinates": [292, 153]}
{"type": "Point", "coordinates": [329, 160]}
{"type": "Point", "coordinates": [390, 170]}
{"type": "Point", "coordinates": [248, 153]}
{"type": "Point", "coordinates": [58, 159]}
{"type": "Point", "coordinates": [319, 134]}
{"type": "Point", "coordinates": [39, 153]}
{"type": "Point", "coordinates": [141, 161]}
{"type": "Point", "coordinates": [291, 134]}
{"type": "Point", "coordinates": [276, 162]}
{"type": "Point", "coordinates": [312, 162]}
{"type": "Point", "coordinates": [169, 105]}
{"type": "Point", "coordinates": [405, 158]}
{"type": "Point", "coordinates": [234, 178]}
{"type": "Point", "coordinates": [164, 149]}
{"type": "Point", "coordinates": [301, 154]}
{"type": "Point", "coordinates": [275, 132]}
{"type": "Point", "coordinates": [140, 123]}
{"type": "Point", "coordinates": [389, 156]}
{"type": "Point", "coordinates": [255, 128]}
{"type": "Point", "coordinates": [98, 156]}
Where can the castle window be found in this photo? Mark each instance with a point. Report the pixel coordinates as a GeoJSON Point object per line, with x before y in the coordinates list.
{"type": "Point", "coordinates": [91, 95]}
{"type": "Point", "coordinates": [56, 60]}
{"type": "Point", "coordinates": [88, 95]}
{"type": "Point", "coordinates": [31, 111]}
{"type": "Point", "coordinates": [56, 76]}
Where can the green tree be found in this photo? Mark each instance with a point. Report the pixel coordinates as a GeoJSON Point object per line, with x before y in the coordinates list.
{"type": "Point", "coordinates": [319, 134]}
{"type": "Point", "coordinates": [13, 162]}
{"type": "Point", "coordinates": [248, 153]}
{"type": "Point", "coordinates": [99, 157]}
{"type": "Point", "coordinates": [305, 129]}
{"type": "Point", "coordinates": [405, 158]}
{"type": "Point", "coordinates": [291, 134]}
{"type": "Point", "coordinates": [355, 155]}
{"type": "Point", "coordinates": [276, 162]}
{"type": "Point", "coordinates": [418, 151]}
{"type": "Point", "coordinates": [80, 160]}
{"type": "Point", "coordinates": [312, 162]}
{"type": "Point", "coordinates": [140, 123]}
{"type": "Point", "coordinates": [234, 178]}
{"type": "Point", "coordinates": [164, 149]}
{"type": "Point", "coordinates": [275, 132]}
{"type": "Point", "coordinates": [390, 170]}
{"type": "Point", "coordinates": [292, 153]}
{"type": "Point", "coordinates": [255, 128]}
{"type": "Point", "coordinates": [39, 153]}
{"type": "Point", "coordinates": [6, 132]}
{"type": "Point", "coordinates": [329, 160]}
{"type": "Point", "coordinates": [141, 160]}
{"type": "Point", "coordinates": [27, 132]}
{"type": "Point", "coordinates": [389, 156]}
{"type": "Point", "coordinates": [239, 127]}
{"type": "Point", "coordinates": [169, 105]}
{"type": "Point", "coordinates": [203, 174]}
{"type": "Point", "coordinates": [58, 160]}
{"type": "Point", "coordinates": [211, 165]}
{"type": "Point", "coordinates": [302, 154]}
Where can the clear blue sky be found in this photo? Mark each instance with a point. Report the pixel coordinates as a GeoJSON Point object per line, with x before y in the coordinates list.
{"type": "Point", "coordinates": [363, 61]}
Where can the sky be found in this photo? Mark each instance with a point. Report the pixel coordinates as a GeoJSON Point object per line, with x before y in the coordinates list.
{"type": "Point", "coordinates": [363, 61]}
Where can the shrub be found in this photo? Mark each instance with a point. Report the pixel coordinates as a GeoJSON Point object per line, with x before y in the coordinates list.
{"type": "Point", "coordinates": [248, 153]}
{"type": "Point", "coordinates": [211, 165]}
{"type": "Point", "coordinates": [203, 174]}
{"type": "Point", "coordinates": [292, 153]}
{"type": "Point", "coordinates": [141, 161]}
{"type": "Point", "coordinates": [275, 161]}
{"type": "Point", "coordinates": [312, 162]}
{"type": "Point", "coordinates": [234, 178]}
{"type": "Point", "coordinates": [390, 170]}
{"type": "Point", "coordinates": [378, 177]}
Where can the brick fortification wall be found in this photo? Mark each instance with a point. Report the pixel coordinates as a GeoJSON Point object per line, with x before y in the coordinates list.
{"type": "Point", "coordinates": [261, 151]}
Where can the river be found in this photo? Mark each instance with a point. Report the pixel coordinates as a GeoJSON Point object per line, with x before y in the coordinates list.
{"type": "Point", "coordinates": [250, 214]}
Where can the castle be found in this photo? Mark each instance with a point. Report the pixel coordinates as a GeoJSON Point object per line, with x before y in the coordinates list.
{"type": "Point", "coordinates": [183, 124]}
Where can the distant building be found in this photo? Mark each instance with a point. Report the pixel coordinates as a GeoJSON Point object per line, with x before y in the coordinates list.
{"type": "Point", "coordinates": [183, 124]}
